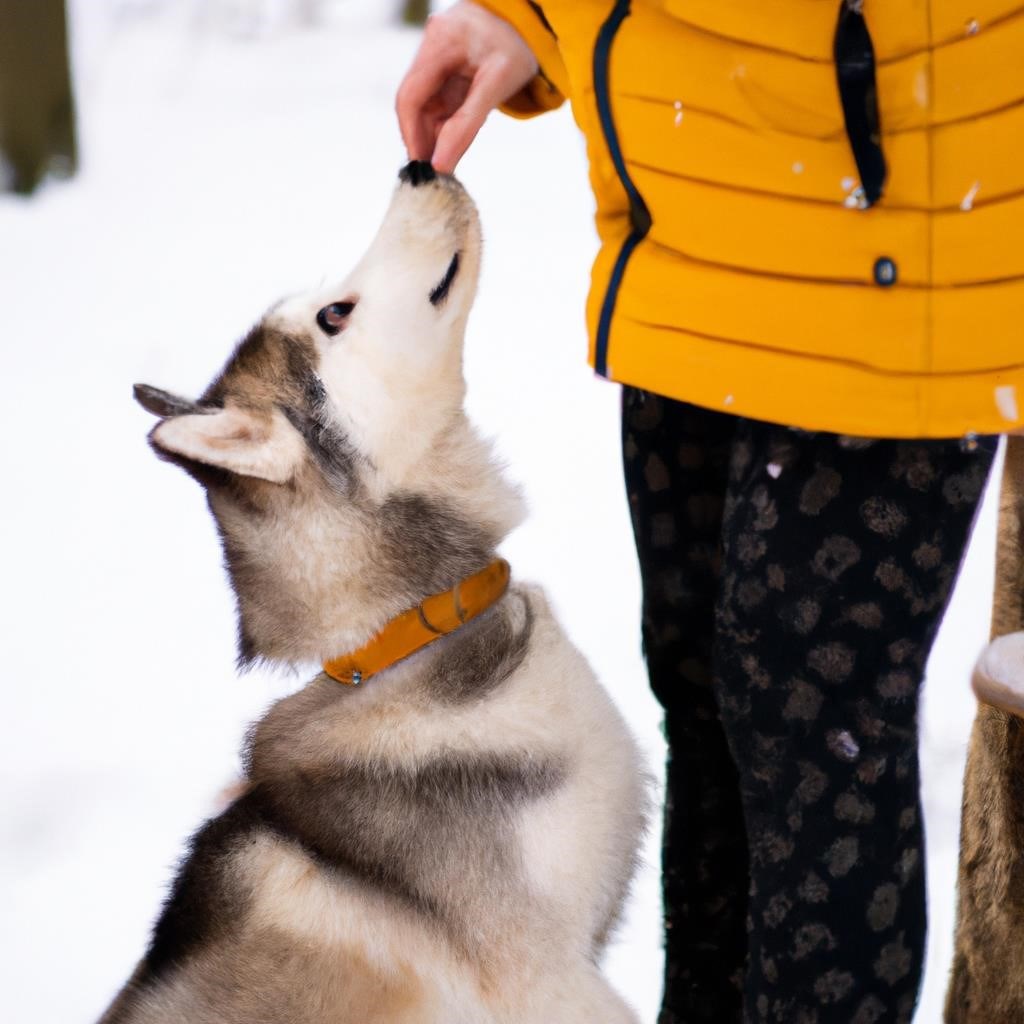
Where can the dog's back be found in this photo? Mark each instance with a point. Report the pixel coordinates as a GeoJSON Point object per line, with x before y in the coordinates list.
{"type": "Point", "coordinates": [413, 851]}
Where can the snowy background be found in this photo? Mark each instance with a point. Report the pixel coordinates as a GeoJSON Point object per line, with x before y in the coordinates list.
{"type": "Point", "coordinates": [232, 152]}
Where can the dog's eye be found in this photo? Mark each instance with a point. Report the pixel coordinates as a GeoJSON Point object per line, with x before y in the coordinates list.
{"type": "Point", "coordinates": [331, 318]}
{"type": "Point", "coordinates": [441, 289]}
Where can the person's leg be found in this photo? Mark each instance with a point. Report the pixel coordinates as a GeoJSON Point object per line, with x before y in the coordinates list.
{"type": "Point", "coordinates": [676, 465]}
{"type": "Point", "coordinates": [838, 562]}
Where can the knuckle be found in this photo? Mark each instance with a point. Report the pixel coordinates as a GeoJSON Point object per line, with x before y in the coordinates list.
{"type": "Point", "coordinates": [437, 27]}
{"type": "Point", "coordinates": [500, 62]}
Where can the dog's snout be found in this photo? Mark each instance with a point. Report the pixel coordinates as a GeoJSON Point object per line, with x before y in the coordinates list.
{"type": "Point", "coordinates": [417, 172]}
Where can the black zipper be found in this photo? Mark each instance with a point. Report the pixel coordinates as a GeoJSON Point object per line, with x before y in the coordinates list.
{"type": "Point", "coordinates": [639, 213]}
{"type": "Point", "coordinates": [858, 92]}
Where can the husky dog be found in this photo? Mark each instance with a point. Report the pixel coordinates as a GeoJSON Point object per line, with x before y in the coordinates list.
{"type": "Point", "coordinates": [451, 841]}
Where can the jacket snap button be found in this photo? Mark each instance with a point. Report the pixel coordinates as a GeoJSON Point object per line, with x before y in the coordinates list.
{"type": "Point", "coordinates": [885, 272]}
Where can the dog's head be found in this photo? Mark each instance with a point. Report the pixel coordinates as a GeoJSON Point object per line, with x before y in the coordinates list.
{"type": "Point", "coordinates": [368, 367]}
{"type": "Point", "coordinates": [333, 446]}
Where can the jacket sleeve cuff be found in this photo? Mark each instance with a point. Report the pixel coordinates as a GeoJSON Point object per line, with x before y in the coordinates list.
{"type": "Point", "coordinates": [549, 87]}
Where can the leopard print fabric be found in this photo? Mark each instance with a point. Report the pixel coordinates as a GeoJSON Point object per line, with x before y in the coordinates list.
{"type": "Point", "coordinates": [793, 586]}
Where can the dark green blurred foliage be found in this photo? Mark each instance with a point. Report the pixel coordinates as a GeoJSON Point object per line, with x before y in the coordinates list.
{"type": "Point", "coordinates": [37, 117]}
{"type": "Point", "coordinates": [414, 12]}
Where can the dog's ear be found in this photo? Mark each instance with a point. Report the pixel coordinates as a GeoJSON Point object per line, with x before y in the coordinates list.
{"type": "Point", "coordinates": [241, 441]}
{"type": "Point", "coordinates": [163, 403]}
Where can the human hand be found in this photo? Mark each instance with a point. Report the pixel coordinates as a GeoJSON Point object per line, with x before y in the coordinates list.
{"type": "Point", "coordinates": [470, 61]}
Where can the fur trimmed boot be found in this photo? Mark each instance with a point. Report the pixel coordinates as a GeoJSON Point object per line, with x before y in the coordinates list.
{"type": "Point", "coordinates": [987, 982]}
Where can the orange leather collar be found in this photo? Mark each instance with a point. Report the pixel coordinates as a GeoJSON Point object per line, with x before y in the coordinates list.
{"type": "Point", "coordinates": [411, 631]}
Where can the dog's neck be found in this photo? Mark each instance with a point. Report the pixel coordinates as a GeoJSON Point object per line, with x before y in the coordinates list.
{"type": "Point", "coordinates": [416, 628]}
{"type": "Point", "coordinates": [317, 575]}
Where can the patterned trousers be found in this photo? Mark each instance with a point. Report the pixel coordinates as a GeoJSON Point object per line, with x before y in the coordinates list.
{"type": "Point", "coordinates": [793, 586]}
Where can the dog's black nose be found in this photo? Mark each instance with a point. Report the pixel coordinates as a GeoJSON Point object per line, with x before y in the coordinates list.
{"type": "Point", "coordinates": [417, 172]}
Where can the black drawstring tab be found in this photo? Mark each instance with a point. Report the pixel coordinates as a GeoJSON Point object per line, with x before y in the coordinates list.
{"type": "Point", "coordinates": [855, 72]}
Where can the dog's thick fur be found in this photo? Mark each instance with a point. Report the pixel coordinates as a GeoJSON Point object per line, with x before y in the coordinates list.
{"type": "Point", "coordinates": [987, 982]}
{"type": "Point", "coordinates": [452, 841]}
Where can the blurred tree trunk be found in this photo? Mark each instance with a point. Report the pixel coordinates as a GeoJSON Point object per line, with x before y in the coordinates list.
{"type": "Point", "coordinates": [414, 12]}
{"type": "Point", "coordinates": [37, 121]}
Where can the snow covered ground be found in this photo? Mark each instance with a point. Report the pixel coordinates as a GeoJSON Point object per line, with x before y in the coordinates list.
{"type": "Point", "coordinates": [226, 162]}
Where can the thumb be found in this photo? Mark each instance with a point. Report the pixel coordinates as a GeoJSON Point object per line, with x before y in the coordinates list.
{"type": "Point", "coordinates": [490, 88]}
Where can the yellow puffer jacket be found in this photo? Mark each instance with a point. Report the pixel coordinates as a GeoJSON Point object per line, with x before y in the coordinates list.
{"type": "Point", "coordinates": [738, 270]}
